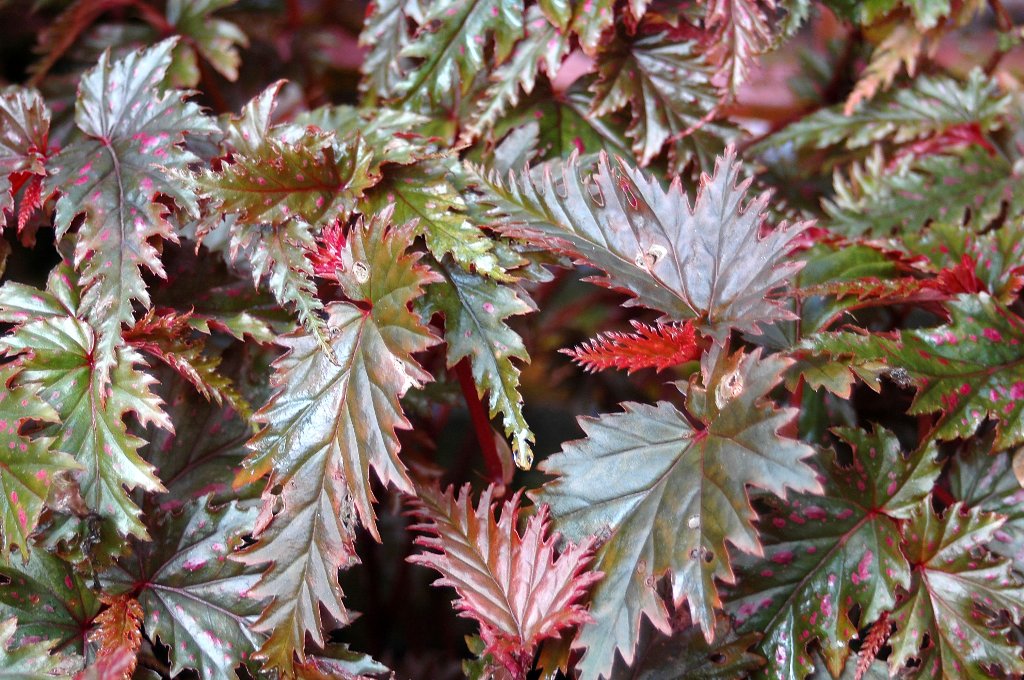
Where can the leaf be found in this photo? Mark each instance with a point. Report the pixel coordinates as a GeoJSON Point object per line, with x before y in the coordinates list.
{"type": "Point", "coordinates": [684, 496]}
{"type": "Point", "coordinates": [927, 106]}
{"type": "Point", "coordinates": [514, 584]}
{"type": "Point", "coordinates": [215, 40]}
{"type": "Point", "coordinates": [901, 44]}
{"type": "Point", "coordinates": [451, 43]}
{"type": "Point", "coordinates": [386, 34]}
{"type": "Point", "coordinates": [984, 479]}
{"type": "Point", "coordinates": [273, 178]}
{"type": "Point", "coordinates": [969, 370]}
{"type": "Point", "coordinates": [168, 338]}
{"type": "Point", "coordinates": [57, 360]}
{"type": "Point", "coordinates": [739, 34]}
{"type": "Point", "coordinates": [424, 192]}
{"type": "Point", "coordinates": [955, 590]}
{"type": "Point", "coordinates": [658, 347]}
{"type": "Point", "coordinates": [971, 186]}
{"type": "Point", "coordinates": [544, 45]}
{"type": "Point", "coordinates": [663, 81]}
{"type": "Point", "coordinates": [27, 466]}
{"type": "Point", "coordinates": [338, 661]}
{"type": "Point", "coordinates": [118, 631]}
{"type": "Point", "coordinates": [475, 309]}
{"type": "Point", "coordinates": [192, 596]}
{"type": "Point", "coordinates": [133, 132]}
{"type": "Point", "coordinates": [25, 662]}
{"type": "Point", "coordinates": [686, 654]}
{"type": "Point", "coordinates": [51, 601]}
{"type": "Point", "coordinates": [689, 263]}
{"type": "Point", "coordinates": [326, 426]}
{"type": "Point", "coordinates": [826, 554]}
{"type": "Point", "coordinates": [25, 120]}
{"type": "Point", "coordinates": [590, 20]}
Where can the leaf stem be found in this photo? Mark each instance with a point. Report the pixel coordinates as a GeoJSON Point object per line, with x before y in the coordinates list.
{"type": "Point", "coordinates": [481, 422]}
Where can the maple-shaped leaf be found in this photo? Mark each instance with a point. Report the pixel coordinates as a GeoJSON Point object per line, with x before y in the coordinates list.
{"type": "Point", "coordinates": [27, 465]}
{"type": "Point", "coordinates": [386, 33]}
{"type": "Point", "coordinates": [424, 192]}
{"type": "Point", "coordinates": [451, 46]}
{"type": "Point", "coordinates": [57, 357]}
{"type": "Point", "coordinates": [826, 554]}
{"type": "Point", "coordinates": [25, 120]}
{"type": "Point", "coordinates": [968, 370]}
{"type": "Point", "coordinates": [900, 115]}
{"type": "Point", "coordinates": [327, 425]}
{"type": "Point", "coordinates": [50, 600]}
{"type": "Point", "coordinates": [665, 83]}
{"type": "Point", "coordinates": [955, 592]}
{"type": "Point", "coordinates": [514, 584]}
{"type": "Point", "coordinates": [658, 347]}
{"type": "Point", "coordinates": [475, 309]}
{"type": "Point", "coordinates": [215, 40]}
{"type": "Point", "coordinates": [740, 32]}
{"type": "Point", "coordinates": [708, 262]}
{"type": "Point", "coordinates": [544, 45]}
{"type": "Point", "coordinates": [192, 597]}
{"type": "Point", "coordinates": [167, 337]}
{"type": "Point", "coordinates": [132, 133]}
{"type": "Point", "coordinates": [670, 488]}
{"type": "Point", "coordinates": [879, 198]}
{"type": "Point", "coordinates": [986, 480]}
{"type": "Point", "coordinates": [118, 630]}
{"type": "Point", "coordinates": [30, 661]}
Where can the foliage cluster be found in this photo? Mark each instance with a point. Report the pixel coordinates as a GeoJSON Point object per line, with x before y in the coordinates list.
{"type": "Point", "coordinates": [284, 286]}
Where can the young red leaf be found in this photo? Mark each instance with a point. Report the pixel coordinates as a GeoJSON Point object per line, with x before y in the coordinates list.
{"type": "Point", "coordinates": [658, 347]}
{"type": "Point", "coordinates": [514, 584]}
{"type": "Point", "coordinates": [25, 122]}
{"type": "Point", "coordinates": [118, 631]}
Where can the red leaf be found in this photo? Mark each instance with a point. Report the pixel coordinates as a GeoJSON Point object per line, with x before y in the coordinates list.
{"type": "Point", "coordinates": [959, 279]}
{"type": "Point", "coordinates": [119, 634]}
{"type": "Point", "coordinates": [327, 258]}
{"type": "Point", "coordinates": [657, 347]}
{"type": "Point", "coordinates": [514, 584]}
{"type": "Point", "coordinates": [957, 136]}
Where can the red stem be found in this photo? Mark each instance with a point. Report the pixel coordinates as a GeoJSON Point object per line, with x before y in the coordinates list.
{"type": "Point", "coordinates": [481, 421]}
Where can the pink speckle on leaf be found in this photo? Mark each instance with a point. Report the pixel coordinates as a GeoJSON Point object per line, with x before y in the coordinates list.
{"type": "Point", "coordinates": [861, 574]}
{"type": "Point", "coordinates": [992, 334]}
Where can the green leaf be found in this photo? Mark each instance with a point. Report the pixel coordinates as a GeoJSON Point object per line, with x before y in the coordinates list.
{"type": "Point", "coordinates": [970, 187]}
{"type": "Point", "coordinates": [671, 490]}
{"type": "Point", "coordinates": [423, 192]}
{"type": "Point", "coordinates": [686, 654]}
{"type": "Point", "coordinates": [24, 662]}
{"type": "Point", "coordinates": [665, 83]}
{"type": "Point", "coordinates": [132, 133]}
{"type": "Point", "coordinates": [326, 426]}
{"type": "Point", "coordinates": [825, 554]}
{"type": "Point", "coordinates": [929, 105]}
{"type": "Point", "coordinates": [27, 466]}
{"type": "Point", "coordinates": [706, 262]}
{"type": "Point", "coordinates": [475, 309]}
{"type": "Point", "coordinates": [57, 360]}
{"type": "Point", "coordinates": [969, 370]}
{"type": "Point", "coordinates": [451, 43]}
{"type": "Point", "coordinates": [591, 18]}
{"type": "Point", "coordinates": [955, 591]}
{"type": "Point", "coordinates": [194, 598]}
{"type": "Point", "coordinates": [25, 120]}
{"type": "Point", "coordinates": [276, 176]}
{"type": "Point", "coordinates": [545, 45]}
{"type": "Point", "coordinates": [215, 40]}
{"type": "Point", "coordinates": [984, 479]}
{"type": "Point", "coordinates": [51, 601]}
{"type": "Point", "coordinates": [386, 34]}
